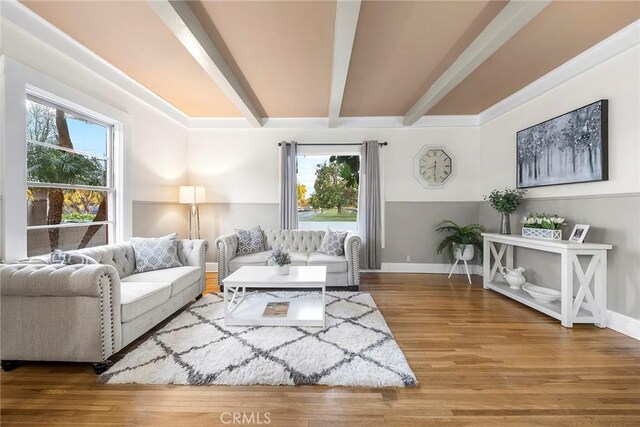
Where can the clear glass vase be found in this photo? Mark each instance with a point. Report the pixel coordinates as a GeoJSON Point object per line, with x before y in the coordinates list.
{"type": "Point", "coordinates": [505, 225]}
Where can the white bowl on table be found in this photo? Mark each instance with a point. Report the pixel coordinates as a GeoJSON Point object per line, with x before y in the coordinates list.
{"type": "Point", "coordinates": [541, 293]}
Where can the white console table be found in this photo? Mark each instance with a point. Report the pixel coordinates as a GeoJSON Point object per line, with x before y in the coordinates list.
{"type": "Point", "coordinates": [590, 302]}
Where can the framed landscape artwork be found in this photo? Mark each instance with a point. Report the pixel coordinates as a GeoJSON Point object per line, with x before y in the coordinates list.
{"type": "Point", "coordinates": [567, 149]}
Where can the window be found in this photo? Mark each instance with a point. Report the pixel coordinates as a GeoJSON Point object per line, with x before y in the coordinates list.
{"type": "Point", "coordinates": [328, 190]}
{"type": "Point", "coordinates": [70, 193]}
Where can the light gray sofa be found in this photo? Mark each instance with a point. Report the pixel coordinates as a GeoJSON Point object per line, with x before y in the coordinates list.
{"type": "Point", "coordinates": [342, 271]}
{"type": "Point", "coordinates": [86, 313]}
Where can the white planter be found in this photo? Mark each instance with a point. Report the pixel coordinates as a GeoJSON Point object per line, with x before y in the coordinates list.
{"type": "Point", "coordinates": [542, 233]}
{"type": "Point", "coordinates": [283, 270]}
{"type": "Point", "coordinates": [463, 253]}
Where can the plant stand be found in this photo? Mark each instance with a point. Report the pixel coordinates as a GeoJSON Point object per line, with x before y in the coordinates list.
{"type": "Point", "coordinates": [466, 267]}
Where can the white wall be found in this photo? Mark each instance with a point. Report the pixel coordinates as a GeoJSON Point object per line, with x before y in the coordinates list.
{"type": "Point", "coordinates": [156, 145]}
{"type": "Point", "coordinates": [617, 80]}
{"type": "Point", "coordinates": [242, 165]}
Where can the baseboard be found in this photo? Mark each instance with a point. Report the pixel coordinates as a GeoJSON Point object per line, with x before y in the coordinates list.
{"type": "Point", "coordinates": [416, 267]}
{"type": "Point", "coordinates": [624, 324]}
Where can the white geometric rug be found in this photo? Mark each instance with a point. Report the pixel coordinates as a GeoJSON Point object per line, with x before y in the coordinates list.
{"type": "Point", "coordinates": [196, 348]}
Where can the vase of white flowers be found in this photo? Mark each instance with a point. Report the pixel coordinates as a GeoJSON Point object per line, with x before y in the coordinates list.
{"type": "Point", "coordinates": [542, 226]}
{"type": "Point", "coordinates": [282, 260]}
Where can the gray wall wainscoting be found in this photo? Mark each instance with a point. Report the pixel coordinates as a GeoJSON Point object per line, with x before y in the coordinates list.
{"type": "Point", "coordinates": [409, 231]}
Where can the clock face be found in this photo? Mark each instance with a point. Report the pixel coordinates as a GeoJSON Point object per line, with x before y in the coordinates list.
{"type": "Point", "coordinates": [433, 166]}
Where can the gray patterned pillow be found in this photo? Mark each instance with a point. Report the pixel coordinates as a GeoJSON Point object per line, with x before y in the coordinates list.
{"type": "Point", "coordinates": [71, 259]}
{"type": "Point", "coordinates": [156, 253]}
{"type": "Point", "coordinates": [333, 243]}
{"type": "Point", "coordinates": [249, 241]}
{"type": "Point", "coordinates": [56, 257]}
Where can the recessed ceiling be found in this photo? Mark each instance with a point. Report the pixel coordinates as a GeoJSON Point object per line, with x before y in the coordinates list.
{"type": "Point", "coordinates": [282, 51]}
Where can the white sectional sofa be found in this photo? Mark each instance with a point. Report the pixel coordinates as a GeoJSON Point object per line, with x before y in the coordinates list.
{"type": "Point", "coordinates": [86, 313]}
{"type": "Point", "coordinates": [342, 271]}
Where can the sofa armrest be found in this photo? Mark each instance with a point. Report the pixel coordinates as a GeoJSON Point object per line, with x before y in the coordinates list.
{"type": "Point", "coordinates": [226, 246]}
{"type": "Point", "coordinates": [194, 253]}
{"type": "Point", "coordinates": [60, 312]}
{"type": "Point", "coordinates": [352, 243]}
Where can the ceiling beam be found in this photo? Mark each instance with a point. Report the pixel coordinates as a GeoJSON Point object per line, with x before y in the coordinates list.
{"type": "Point", "coordinates": [179, 18]}
{"type": "Point", "coordinates": [347, 12]}
{"type": "Point", "coordinates": [515, 15]}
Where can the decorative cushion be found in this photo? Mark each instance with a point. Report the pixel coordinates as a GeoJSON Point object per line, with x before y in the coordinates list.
{"type": "Point", "coordinates": [155, 253]}
{"type": "Point", "coordinates": [71, 258]}
{"type": "Point", "coordinates": [333, 243]}
{"type": "Point", "coordinates": [249, 241]}
{"type": "Point", "coordinates": [56, 257]}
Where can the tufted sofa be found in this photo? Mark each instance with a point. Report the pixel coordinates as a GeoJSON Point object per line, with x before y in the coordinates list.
{"type": "Point", "coordinates": [342, 271]}
{"type": "Point", "coordinates": [86, 313]}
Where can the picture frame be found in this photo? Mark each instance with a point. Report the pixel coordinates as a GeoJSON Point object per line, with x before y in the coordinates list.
{"type": "Point", "coordinates": [568, 149]}
{"type": "Point", "coordinates": [579, 232]}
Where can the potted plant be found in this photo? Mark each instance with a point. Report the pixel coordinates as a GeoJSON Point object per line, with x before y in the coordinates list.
{"type": "Point", "coordinates": [506, 202]}
{"type": "Point", "coordinates": [543, 225]}
{"type": "Point", "coordinates": [282, 260]}
{"type": "Point", "coordinates": [461, 243]}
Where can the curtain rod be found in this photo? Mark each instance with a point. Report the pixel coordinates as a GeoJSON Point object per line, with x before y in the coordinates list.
{"type": "Point", "coordinates": [382, 144]}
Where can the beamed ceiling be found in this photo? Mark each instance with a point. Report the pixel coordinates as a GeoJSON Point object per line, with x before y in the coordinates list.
{"type": "Point", "coordinates": [282, 53]}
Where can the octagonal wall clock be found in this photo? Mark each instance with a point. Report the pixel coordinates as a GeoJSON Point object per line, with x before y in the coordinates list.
{"type": "Point", "coordinates": [434, 166]}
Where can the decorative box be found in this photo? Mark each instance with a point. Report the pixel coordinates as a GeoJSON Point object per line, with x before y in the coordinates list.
{"type": "Point", "coordinates": [542, 233]}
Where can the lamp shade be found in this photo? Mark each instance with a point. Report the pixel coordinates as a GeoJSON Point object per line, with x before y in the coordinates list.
{"type": "Point", "coordinates": [192, 195]}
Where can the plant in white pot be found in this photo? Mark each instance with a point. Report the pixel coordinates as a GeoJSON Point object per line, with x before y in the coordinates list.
{"type": "Point", "coordinates": [461, 243]}
{"type": "Point", "coordinates": [282, 260]}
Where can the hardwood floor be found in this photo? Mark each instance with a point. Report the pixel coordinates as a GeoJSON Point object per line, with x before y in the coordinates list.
{"type": "Point", "coordinates": [480, 358]}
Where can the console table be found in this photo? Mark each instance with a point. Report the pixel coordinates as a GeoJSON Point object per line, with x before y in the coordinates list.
{"type": "Point", "coordinates": [590, 302]}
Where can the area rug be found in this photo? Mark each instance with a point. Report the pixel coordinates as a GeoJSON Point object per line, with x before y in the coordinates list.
{"type": "Point", "coordinates": [196, 348]}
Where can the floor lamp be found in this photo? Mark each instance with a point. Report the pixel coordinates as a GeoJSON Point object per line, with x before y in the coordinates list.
{"type": "Point", "coordinates": [192, 196]}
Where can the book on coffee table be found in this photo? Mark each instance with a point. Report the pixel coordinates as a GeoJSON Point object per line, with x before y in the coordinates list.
{"type": "Point", "coordinates": [276, 309]}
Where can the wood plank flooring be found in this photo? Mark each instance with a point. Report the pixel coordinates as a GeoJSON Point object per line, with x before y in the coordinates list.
{"type": "Point", "coordinates": [480, 358]}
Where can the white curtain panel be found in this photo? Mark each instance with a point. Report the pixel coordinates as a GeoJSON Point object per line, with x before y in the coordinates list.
{"type": "Point", "coordinates": [370, 207]}
{"type": "Point", "coordinates": [288, 186]}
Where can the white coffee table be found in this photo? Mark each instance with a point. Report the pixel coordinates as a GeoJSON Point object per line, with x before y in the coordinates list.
{"type": "Point", "coordinates": [243, 309]}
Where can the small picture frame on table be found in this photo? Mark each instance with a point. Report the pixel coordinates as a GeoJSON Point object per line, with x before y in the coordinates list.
{"type": "Point", "coordinates": [579, 232]}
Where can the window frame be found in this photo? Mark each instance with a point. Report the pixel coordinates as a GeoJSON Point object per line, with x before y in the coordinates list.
{"type": "Point", "coordinates": [332, 149]}
{"type": "Point", "coordinates": [48, 100]}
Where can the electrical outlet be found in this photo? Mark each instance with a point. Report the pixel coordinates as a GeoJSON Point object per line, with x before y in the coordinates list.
{"type": "Point", "coordinates": [408, 258]}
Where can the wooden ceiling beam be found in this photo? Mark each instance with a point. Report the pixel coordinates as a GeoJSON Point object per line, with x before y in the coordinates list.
{"type": "Point", "coordinates": [347, 12]}
{"type": "Point", "coordinates": [179, 18]}
{"type": "Point", "coordinates": [505, 25]}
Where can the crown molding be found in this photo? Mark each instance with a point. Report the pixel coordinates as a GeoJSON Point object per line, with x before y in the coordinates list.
{"type": "Point", "coordinates": [615, 44]}
{"type": "Point", "coordinates": [32, 23]}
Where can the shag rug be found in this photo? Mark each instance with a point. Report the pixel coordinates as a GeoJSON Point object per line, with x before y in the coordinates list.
{"type": "Point", "coordinates": [196, 348]}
